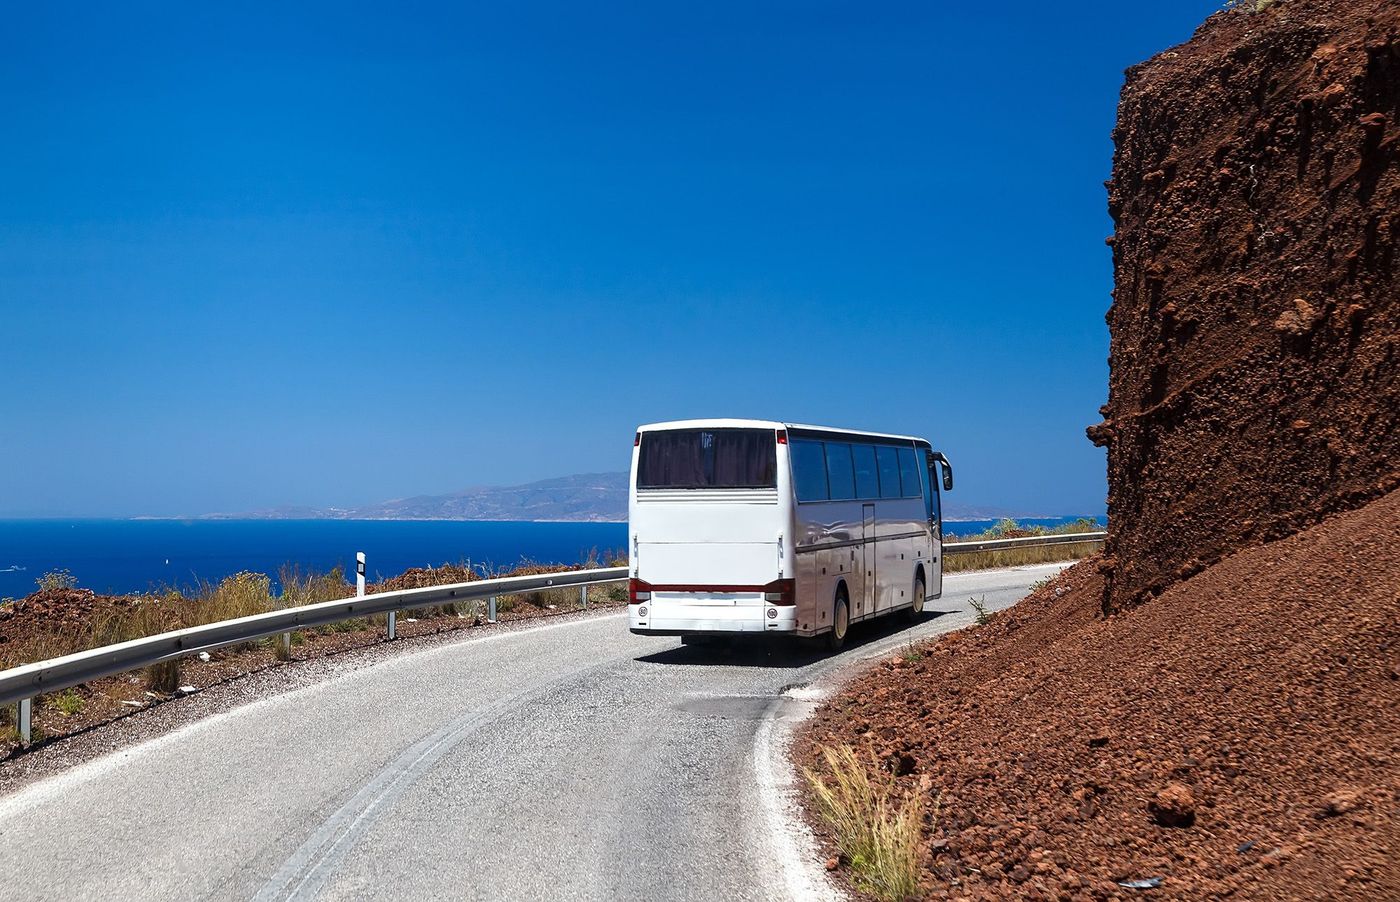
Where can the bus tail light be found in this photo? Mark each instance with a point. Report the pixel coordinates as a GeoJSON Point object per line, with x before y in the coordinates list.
{"type": "Point", "coordinates": [780, 591]}
{"type": "Point", "coordinates": [638, 591]}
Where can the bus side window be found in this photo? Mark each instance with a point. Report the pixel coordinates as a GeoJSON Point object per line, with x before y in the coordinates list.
{"type": "Point", "coordinates": [887, 459]}
{"type": "Point", "coordinates": [909, 479]}
{"type": "Point", "coordinates": [809, 470]}
{"type": "Point", "coordinates": [867, 476]}
{"type": "Point", "coordinates": [839, 475]}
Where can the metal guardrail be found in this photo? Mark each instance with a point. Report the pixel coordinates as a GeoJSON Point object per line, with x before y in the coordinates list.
{"type": "Point", "coordinates": [28, 680]}
{"type": "Point", "coordinates": [1073, 538]}
{"type": "Point", "coordinates": [21, 684]}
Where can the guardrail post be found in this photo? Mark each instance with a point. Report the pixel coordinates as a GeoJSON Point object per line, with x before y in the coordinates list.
{"type": "Point", "coordinates": [24, 723]}
{"type": "Point", "coordinates": [491, 610]}
{"type": "Point", "coordinates": [583, 595]}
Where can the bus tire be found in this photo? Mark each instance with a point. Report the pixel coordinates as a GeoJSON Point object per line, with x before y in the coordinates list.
{"type": "Point", "coordinates": [840, 622]}
{"type": "Point", "coordinates": [916, 607]}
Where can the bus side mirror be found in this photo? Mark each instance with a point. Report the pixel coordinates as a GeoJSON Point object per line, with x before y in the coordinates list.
{"type": "Point", "coordinates": [937, 456]}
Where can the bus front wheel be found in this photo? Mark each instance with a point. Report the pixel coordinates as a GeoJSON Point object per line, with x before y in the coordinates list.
{"type": "Point", "coordinates": [840, 623]}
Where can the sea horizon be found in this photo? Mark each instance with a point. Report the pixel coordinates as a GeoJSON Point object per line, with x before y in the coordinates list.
{"type": "Point", "coordinates": [133, 555]}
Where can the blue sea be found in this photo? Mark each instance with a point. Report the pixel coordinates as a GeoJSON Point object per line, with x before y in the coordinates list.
{"type": "Point", "coordinates": [140, 555]}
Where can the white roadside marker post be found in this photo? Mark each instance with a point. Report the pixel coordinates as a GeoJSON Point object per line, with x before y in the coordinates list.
{"type": "Point", "coordinates": [25, 721]}
{"type": "Point", "coordinates": [491, 610]}
{"type": "Point", "coordinates": [583, 596]}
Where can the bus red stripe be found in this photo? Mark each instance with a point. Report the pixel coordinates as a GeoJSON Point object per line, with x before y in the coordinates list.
{"type": "Point", "coordinates": [682, 587]}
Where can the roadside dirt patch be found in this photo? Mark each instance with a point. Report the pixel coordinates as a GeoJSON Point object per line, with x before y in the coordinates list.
{"type": "Point", "coordinates": [1255, 708]}
{"type": "Point", "coordinates": [1255, 356]}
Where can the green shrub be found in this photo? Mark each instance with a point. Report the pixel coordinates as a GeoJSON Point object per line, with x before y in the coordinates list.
{"type": "Point", "coordinates": [68, 702]}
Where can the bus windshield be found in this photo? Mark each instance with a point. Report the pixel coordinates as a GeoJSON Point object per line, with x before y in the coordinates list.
{"type": "Point", "coordinates": [708, 459]}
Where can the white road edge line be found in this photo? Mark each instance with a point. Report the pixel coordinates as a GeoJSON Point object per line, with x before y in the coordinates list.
{"type": "Point", "coordinates": [793, 847]}
{"type": "Point", "coordinates": [57, 785]}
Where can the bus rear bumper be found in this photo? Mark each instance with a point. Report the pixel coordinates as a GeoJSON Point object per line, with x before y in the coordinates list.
{"type": "Point", "coordinates": [679, 619]}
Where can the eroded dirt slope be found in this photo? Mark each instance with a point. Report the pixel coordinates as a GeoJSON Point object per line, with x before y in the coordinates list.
{"type": "Point", "coordinates": [1238, 736]}
{"type": "Point", "coordinates": [1255, 361]}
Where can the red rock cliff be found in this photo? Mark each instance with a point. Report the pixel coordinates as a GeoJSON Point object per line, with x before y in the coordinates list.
{"type": "Point", "coordinates": [1255, 358]}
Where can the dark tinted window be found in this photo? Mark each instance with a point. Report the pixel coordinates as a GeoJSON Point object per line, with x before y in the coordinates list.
{"type": "Point", "coordinates": [888, 460]}
{"type": "Point", "coordinates": [808, 470]}
{"type": "Point", "coordinates": [708, 459]}
{"type": "Point", "coordinates": [909, 473]}
{"type": "Point", "coordinates": [867, 477]}
{"type": "Point", "coordinates": [934, 504]}
{"type": "Point", "coordinates": [838, 471]}
{"type": "Point", "coordinates": [930, 486]}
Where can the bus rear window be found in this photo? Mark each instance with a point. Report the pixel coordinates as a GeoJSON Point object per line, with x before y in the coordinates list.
{"type": "Point", "coordinates": [708, 459]}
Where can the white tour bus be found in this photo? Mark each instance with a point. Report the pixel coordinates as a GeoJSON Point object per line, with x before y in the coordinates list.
{"type": "Point", "coordinates": [747, 526]}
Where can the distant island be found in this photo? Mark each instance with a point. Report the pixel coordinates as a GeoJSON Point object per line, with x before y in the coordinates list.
{"type": "Point", "coordinates": [583, 498]}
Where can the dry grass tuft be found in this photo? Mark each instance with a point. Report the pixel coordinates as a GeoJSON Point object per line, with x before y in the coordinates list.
{"type": "Point", "coordinates": [164, 676]}
{"type": "Point", "coordinates": [878, 837]}
{"type": "Point", "coordinates": [240, 595]}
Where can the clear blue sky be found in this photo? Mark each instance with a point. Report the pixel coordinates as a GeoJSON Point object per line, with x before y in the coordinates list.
{"type": "Point", "coordinates": [337, 254]}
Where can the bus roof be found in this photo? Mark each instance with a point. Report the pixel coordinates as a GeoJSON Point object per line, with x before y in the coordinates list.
{"type": "Point", "coordinates": [723, 423]}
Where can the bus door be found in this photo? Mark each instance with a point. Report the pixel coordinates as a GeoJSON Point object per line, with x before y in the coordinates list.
{"type": "Point", "coordinates": [868, 553]}
{"type": "Point", "coordinates": [933, 505]}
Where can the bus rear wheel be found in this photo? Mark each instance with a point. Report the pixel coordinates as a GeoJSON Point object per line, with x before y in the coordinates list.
{"type": "Point", "coordinates": [840, 623]}
{"type": "Point", "coordinates": [916, 608]}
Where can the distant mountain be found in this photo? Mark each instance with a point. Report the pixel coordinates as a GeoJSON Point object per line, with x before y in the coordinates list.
{"type": "Point", "coordinates": [954, 511]}
{"type": "Point", "coordinates": [588, 497]}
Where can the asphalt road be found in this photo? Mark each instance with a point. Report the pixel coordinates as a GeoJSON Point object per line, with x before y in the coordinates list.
{"type": "Point", "coordinates": [567, 761]}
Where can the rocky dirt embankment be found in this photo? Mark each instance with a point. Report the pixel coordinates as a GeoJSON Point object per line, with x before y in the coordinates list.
{"type": "Point", "coordinates": [1237, 737]}
{"type": "Point", "coordinates": [1255, 360]}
